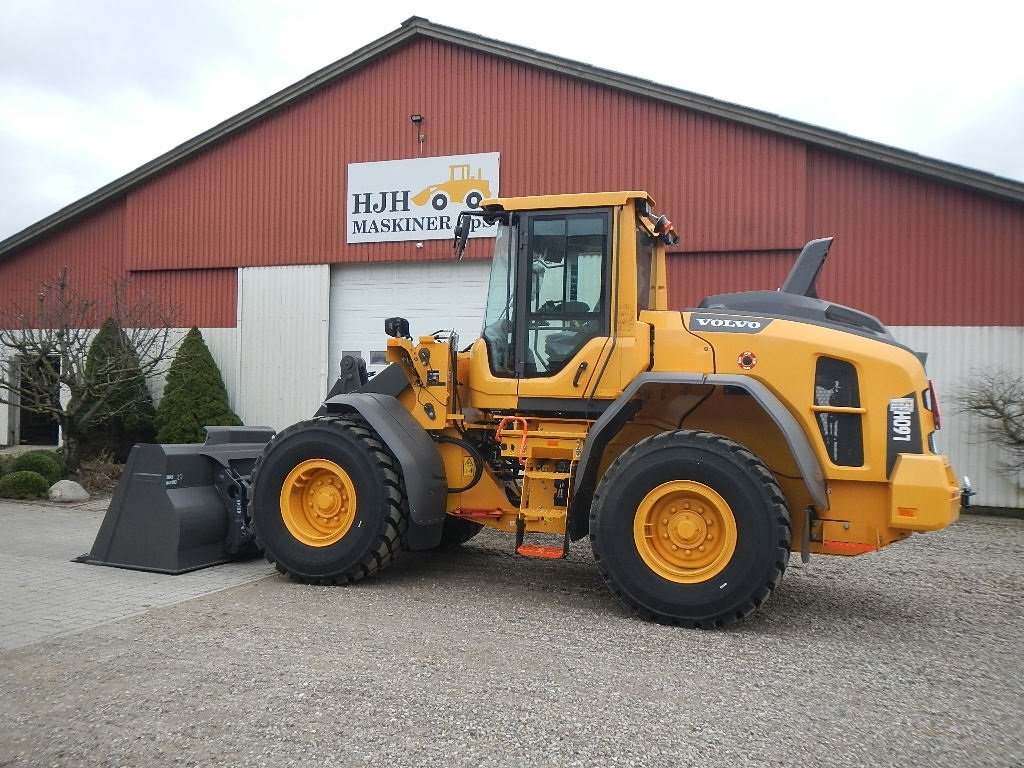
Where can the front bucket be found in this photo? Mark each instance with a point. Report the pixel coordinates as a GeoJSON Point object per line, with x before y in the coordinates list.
{"type": "Point", "coordinates": [181, 507]}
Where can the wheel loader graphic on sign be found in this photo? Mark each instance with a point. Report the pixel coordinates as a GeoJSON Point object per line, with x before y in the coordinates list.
{"type": "Point", "coordinates": [694, 448]}
{"type": "Point", "coordinates": [462, 187]}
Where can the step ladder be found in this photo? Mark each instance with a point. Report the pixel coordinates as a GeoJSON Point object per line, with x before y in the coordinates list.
{"type": "Point", "coordinates": [539, 550]}
{"type": "Point", "coordinates": [515, 429]}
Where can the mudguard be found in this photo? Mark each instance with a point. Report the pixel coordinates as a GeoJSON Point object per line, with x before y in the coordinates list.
{"type": "Point", "coordinates": [624, 407]}
{"type": "Point", "coordinates": [426, 486]}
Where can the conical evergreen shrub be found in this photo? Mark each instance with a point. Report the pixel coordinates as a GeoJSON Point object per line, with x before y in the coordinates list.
{"type": "Point", "coordinates": [194, 396]}
{"type": "Point", "coordinates": [118, 412]}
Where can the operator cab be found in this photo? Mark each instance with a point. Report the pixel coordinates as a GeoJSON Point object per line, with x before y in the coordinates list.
{"type": "Point", "coordinates": [569, 278]}
{"type": "Point", "coordinates": [561, 262]}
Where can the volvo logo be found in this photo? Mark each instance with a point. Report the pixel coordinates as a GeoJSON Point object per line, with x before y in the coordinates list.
{"type": "Point", "coordinates": [722, 324]}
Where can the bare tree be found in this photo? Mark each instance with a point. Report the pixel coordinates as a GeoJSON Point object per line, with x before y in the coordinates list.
{"type": "Point", "coordinates": [997, 396]}
{"type": "Point", "coordinates": [47, 343]}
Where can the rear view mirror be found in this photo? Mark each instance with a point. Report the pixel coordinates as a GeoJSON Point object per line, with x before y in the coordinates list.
{"type": "Point", "coordinates": [463, 226]}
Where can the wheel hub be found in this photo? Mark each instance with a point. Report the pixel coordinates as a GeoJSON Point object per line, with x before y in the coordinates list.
{"type": "Point", "coordinates": [685, 531]}
{"type": "Point", "coordinates": [318, 502]}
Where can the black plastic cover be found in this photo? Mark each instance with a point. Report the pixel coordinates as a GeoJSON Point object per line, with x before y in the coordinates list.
{"type": "Point", "coordinates": [803, 308]}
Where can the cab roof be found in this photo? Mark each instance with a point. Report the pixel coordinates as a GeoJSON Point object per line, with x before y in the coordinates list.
{"type": "Point", "coordinates": [546, 202]}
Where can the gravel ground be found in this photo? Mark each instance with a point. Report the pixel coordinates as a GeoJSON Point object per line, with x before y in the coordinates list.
{"type": "Point", "coordinates": [908, 657]}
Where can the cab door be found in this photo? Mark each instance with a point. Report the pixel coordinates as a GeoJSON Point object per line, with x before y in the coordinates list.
{"type": "Point", "coordinates": [562, 323]}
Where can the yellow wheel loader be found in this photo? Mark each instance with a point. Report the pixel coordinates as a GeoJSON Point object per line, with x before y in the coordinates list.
{"type": "Point", "coordinates": [696, 449]}
{"type": "Point", "coordinates": [462, 187]}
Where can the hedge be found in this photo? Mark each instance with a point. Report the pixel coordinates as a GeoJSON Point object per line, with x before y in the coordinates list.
{"type": "Point", "coordinates": [44, 463]}
{"type": "Point", "coordinates": [24, 485]}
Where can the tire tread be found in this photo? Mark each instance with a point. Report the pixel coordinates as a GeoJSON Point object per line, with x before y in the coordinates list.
{"type": "Point", "coordinates": [721, 445]}
{"type": "Point", "coordinates": [390, 542]}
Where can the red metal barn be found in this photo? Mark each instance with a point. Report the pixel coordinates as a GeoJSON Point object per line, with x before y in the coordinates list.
{"type": "Point", "coordinates": [250, 230]}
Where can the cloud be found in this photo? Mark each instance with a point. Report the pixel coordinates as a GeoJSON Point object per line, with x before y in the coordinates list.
{"type": "Point", "coordinates": [105, 47]}
{"type": "Point", "coordinates": [90, 91]}
{"type": "Point", "coordinates": [989, 138]}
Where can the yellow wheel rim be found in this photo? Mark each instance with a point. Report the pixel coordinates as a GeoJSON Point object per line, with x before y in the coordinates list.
{"type": "Point", "coordinates": [685, 532]}
{"type": "Point", "coordinates": [318, 502]}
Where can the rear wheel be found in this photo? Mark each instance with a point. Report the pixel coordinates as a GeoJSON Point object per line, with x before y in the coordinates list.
{"type": "Point", "coordinates": [690, 528]}
{"type": "Point", "coordinates": [327, 501]}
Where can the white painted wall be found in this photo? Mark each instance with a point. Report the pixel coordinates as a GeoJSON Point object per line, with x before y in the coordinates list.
{"type": "Point", "coordinates": [223, 344]}
{"type": "Point", "coordinates": [8, 416]}
{"type": "Point", "coordinates": [280, 370]}
{"type": "Point", "coordinates": [954, 355]}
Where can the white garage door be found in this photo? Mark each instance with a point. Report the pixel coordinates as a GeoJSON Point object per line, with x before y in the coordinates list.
{"type": "Point", "coordinates": [432, 296]}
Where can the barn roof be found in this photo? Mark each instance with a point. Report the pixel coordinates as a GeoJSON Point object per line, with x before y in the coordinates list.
{"type": "Point", "coordinates": [417, 27]}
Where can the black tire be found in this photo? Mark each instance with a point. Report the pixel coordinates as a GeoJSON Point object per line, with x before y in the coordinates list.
{"type": "Point", "coordinates": [638, 512]}
{"type": "Point", "coordinates": [439, 201]}
{"type": "Point", "coordinates": [377, 515]}
{"type": "Point", "coordinates": [456, 532]}
{"type": "Point", "coordinates": [473, 199]}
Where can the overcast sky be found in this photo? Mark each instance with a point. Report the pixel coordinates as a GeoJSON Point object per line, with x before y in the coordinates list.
{"type": "Point", "coordinates": [92, 89]}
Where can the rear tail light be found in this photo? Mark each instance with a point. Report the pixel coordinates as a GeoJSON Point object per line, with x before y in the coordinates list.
{"type": "Point", "coordinates": [931, 402]}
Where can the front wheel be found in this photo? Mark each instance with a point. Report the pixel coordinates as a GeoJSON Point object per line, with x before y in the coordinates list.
{"type": "Point", "coordinates": [690, 528]}
{"type": "Point", "coordinates": [327, 501]}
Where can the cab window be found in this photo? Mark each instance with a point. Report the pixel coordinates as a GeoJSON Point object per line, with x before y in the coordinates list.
{"type": "Point", "coordinates": [565, 287]}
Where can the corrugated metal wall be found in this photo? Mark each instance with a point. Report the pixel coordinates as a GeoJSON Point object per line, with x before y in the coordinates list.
{"type": "Point", "coordinates": [955, 357]}
{"type": "Point", "coordinates": [202, 297]}
{"type": "Point", "coordinates": [93, 252]}
{"type": "Point", "coordinates": [692, 276]}
{"type": "Point", "coordinates": [913, 251]}
{"type": "Point", "coordinates": [276, 195]}
{"type": "Point", "coordinates": [282, 363]}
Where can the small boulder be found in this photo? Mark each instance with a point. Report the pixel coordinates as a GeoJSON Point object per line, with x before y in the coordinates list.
{"type": "Point", "coordinates": [68, 492]}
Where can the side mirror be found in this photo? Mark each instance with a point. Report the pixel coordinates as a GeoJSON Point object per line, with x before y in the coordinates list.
{"type": "Point", "coordinates": [463, 226]}
{"type": "Point", "coordinates": [663, 227]}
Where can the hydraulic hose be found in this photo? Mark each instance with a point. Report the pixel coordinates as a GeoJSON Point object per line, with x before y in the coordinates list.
{"type": "Point", "coordinates": [472, 450]}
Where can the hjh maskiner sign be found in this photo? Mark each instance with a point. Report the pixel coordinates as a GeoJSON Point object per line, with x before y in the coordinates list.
{"type": "Point", "coordinates": [418, 199]}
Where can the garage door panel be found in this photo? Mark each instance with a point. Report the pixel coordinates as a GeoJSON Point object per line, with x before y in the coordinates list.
{"type": "Point", "coordinates": [430, 295]}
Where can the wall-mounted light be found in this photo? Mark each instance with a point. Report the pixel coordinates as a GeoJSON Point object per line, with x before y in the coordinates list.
{"type": "Point", "coordinates": [417, 121]}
